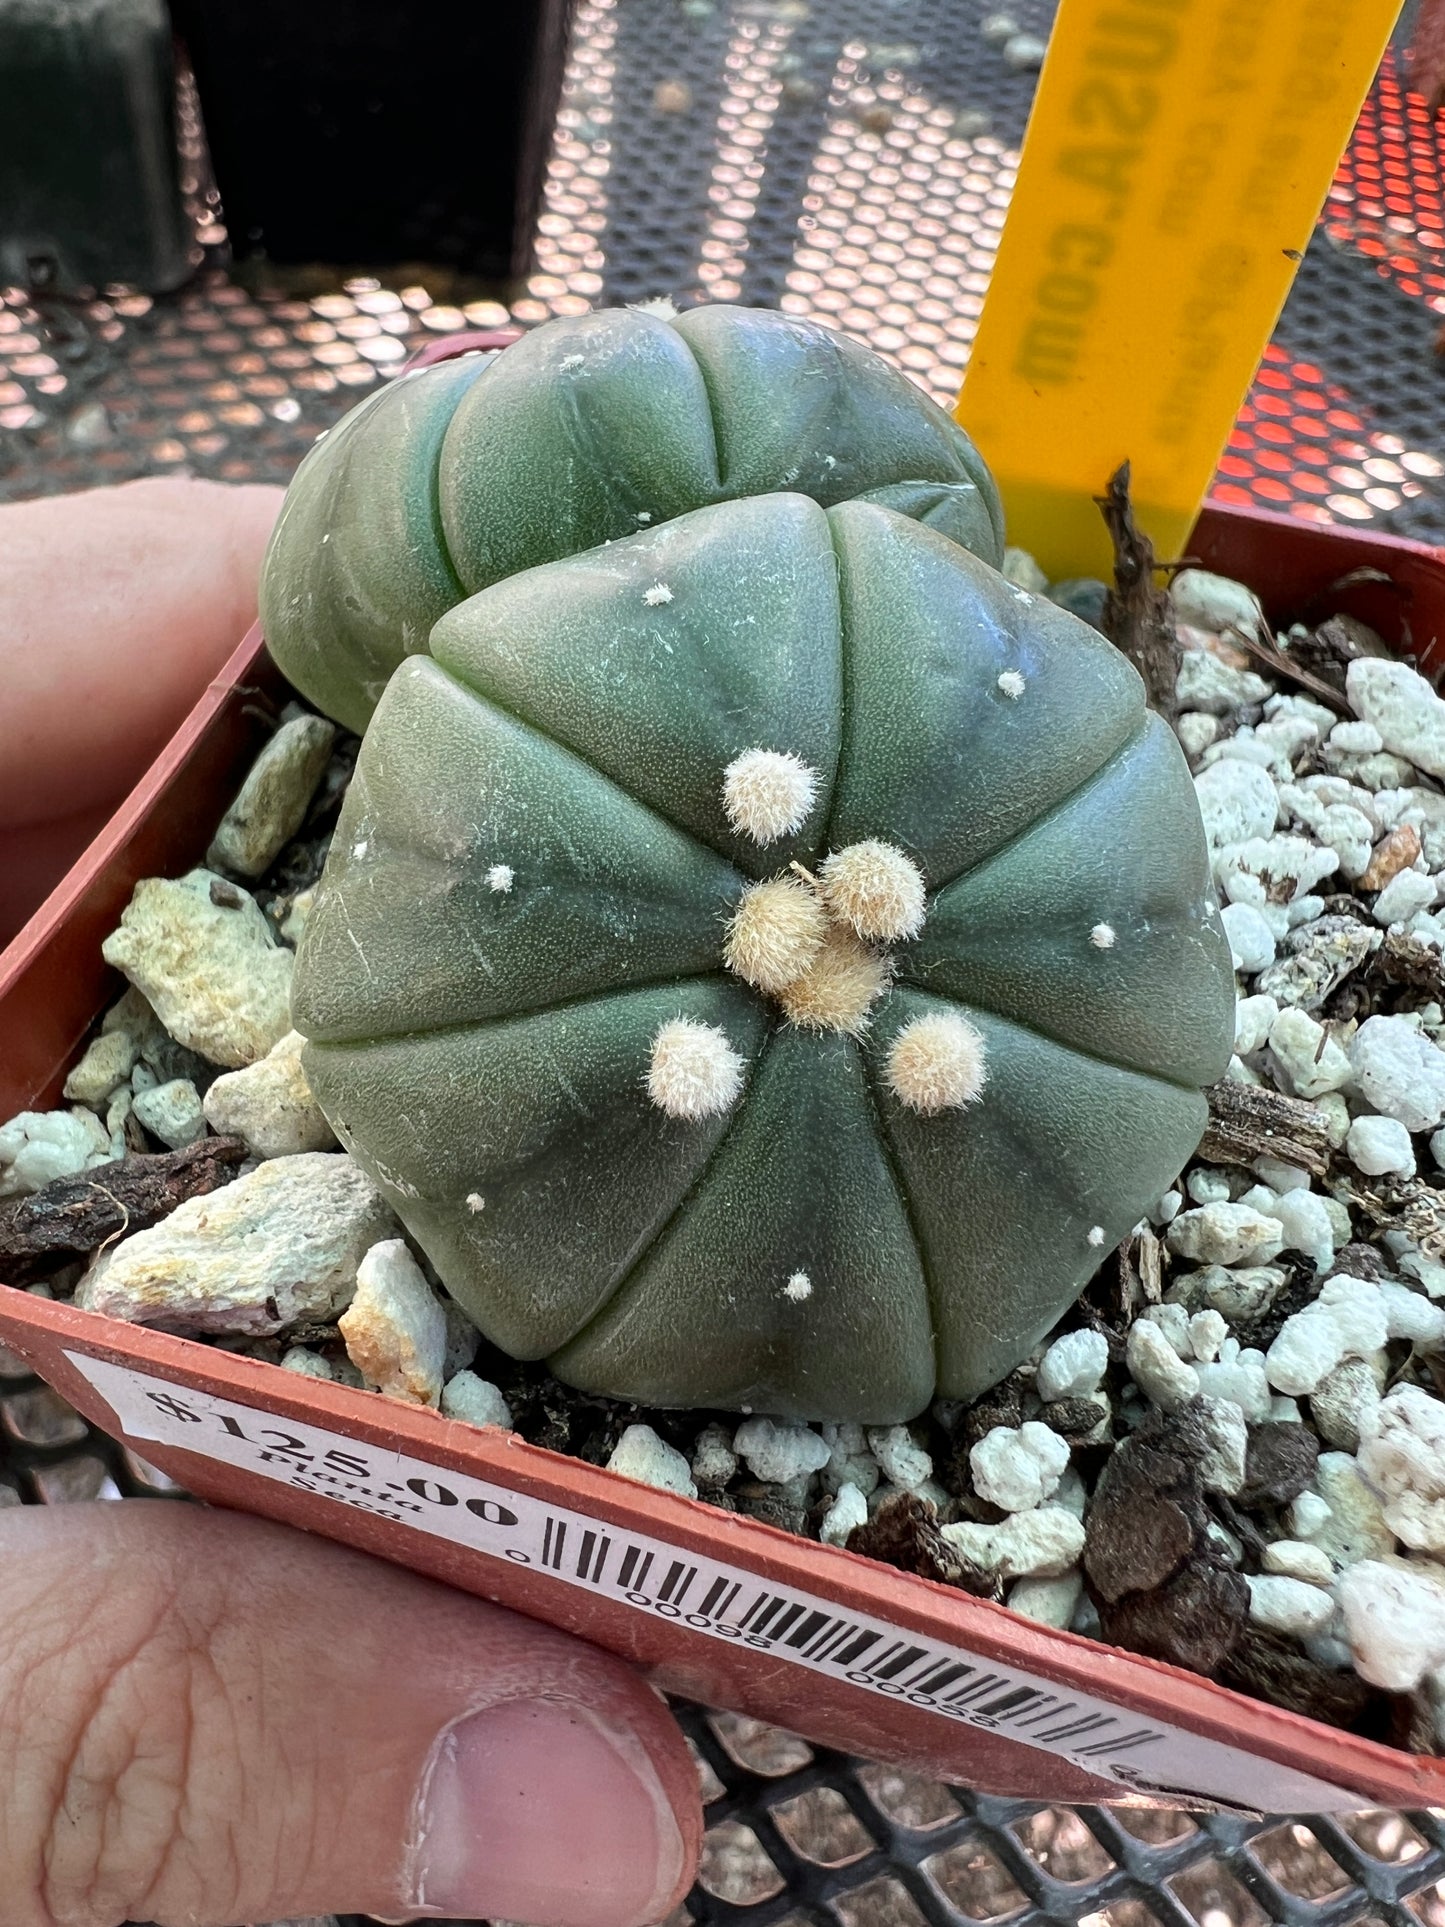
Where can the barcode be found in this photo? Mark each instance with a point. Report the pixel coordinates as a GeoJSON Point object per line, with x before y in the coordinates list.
{"type": "Point", "coordinates": [864, 1655]}
{"type": "Point", "coordinates": [713, 1598]}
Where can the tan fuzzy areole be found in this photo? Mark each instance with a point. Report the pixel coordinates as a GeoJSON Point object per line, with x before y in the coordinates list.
{"type": "Point", "coordinates": [936, 1063]}
{"type": "Point", "coordinates": [839, 987]}
{"type": "Point", "coordinates": [694, 1072]}
{"type": "Point", "coordinates": [767, 793]}
{"type": "Point", "coordinates": [875, 889]}
{"type": "Point", "coordinates": [776, 931]}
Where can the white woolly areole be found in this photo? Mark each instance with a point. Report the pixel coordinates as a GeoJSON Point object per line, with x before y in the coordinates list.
{"type": "Point", "coordinates": [694, 1071]}
{"type": "Point", "coordinates": [1012, 684]}
{"type": "Point", "coordinates": [776, 931]}
{"type": "Point", "coordinates": [768, 793]}
{"type": "Point", "coordinates": [657, 595]}
{"type": "Point", "coordinates": [798, 1287]}
{"type": "Point", "coordinates": [1103, 936]}
{"type": "Point", "coordinates": [838, 988]}
{"type": "Point", "coordinates": [936, 1063]}
{"type": "Point", "coordinates": [1096, 1235]}
{"type": "Point", "coordinates": [500, 878]}
{"type": "Point", "coordinates": [875, 889]}
{"type": "Point", "coordinates": [661, 305]}
{"type": "Point", "coordinates": [476, 1202]}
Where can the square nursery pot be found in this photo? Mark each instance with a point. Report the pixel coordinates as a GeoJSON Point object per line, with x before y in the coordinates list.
{"type": "Point", "coordinates": [716, 1606]}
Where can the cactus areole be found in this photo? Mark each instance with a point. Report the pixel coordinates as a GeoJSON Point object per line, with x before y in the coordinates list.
{"type": "Point", "coordinates": [766, 958]}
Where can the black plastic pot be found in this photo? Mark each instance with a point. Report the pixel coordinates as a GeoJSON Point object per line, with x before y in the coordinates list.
{"type": "Point", "coordinates": [363, 135]}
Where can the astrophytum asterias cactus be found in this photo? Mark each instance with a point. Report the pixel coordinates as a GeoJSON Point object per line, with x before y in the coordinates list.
{"type": "Point", "coordinates": [767, 962]}
{"type": "Point", "coordinates": [583, 432]}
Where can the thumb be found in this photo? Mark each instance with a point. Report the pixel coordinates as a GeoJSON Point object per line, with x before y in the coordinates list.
{"type": "Point", "coordinates": [209, 1719]}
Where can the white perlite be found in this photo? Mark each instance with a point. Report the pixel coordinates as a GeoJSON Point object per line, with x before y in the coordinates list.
{"type": "Point", "coordinates": [269, 1104]}
{"type": "Point", "coordinates": [1226, 1436]}
{"type": "Point", "coordinates": [280, 1245]}
{"type": "Point", "coordinates": [1237, 801]}
{"type": "Point", "coordinates": [1400, 1072]}
{"type": "Point", "coordinates": [1298, 1559]}
{"type": "Point", "coordinates": [777, 1450]}
{"type": "Point", "coordinates": [1039, 1544]}
{"type": "Point", "coordinates": [848, 1511]}
{"type": "Point", "coordinates": [1377, 1145]}
{"type": "Point", "coordinates": [640, 1454]}
{"type": "Point", "coordinates": [172, 1112]}
{"type": "Point", "coordinates": [394, 1328]}
{"type": "Point", "coordinates": [1253, 1017]}
{"type": "Point", "coordinates": [1018, 1467]}
{"type": "Point", "coordinates": [216, 979]}
{"type": "Point", "coordinates": [900, 1457]}
{"type": "Point", "coordinates": [1225, 1234]}
{"type": "Point", "coordinates": [1394, 1617]}
{"type": "Point", "coordinates": [1347, 1320]}
{"type": "Point", "coordinates": [1251, 941]}
{"type": "Point", "coordinates": [274, 798]}
{"type": "Point", "coordinates": [477, 1400]}
{"type": "Point", "coordinates": [1052, 1602]}
{"type": "Point", "coordinates": [107, 1063]}
{"type": "Point", "coordinates": [1402, 1454]}
{"type": "Point", "coordinates": [1073, 1366]}
{"type": "Point", "coordinates": [1156, 1367]}
{"type": "Point", "coordinates": [1307, 1226]}
{"type": "Point", "coordinates": [1285, 1605]}
{"type": "Point", "coordinates": [1216, 604]}
{"type": "Point", "coordinates": [36, 1147]}
{"type": "Point", "coordinates": [1403, 708]}
{"type": "Point", "coordinates": [1238, 1375]}
{"type": "Point", "coordinates": [1353, 1526]}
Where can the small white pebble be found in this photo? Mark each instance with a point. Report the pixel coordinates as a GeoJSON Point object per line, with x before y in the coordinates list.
{"type": "Point", "coordinates": [304, 1363]}
{"type": "Point", "coordinates": [798, 1287]}
{"type": "Point", "coordinates": [1284, 1605]}
{"type": "Point", "coordinates": [777, 1450]}
{"type": "Point", "coordinates": [1103, 936]}
{"type": "Point", "coordinates": [1377, 1145]}
{"type": "Point", "coordinates": [848, 1511]}
{"type": "Point", "coordinates": [1226, 1234]}
{"type": "Point", "coordinates": [1018, 1467]}
{"type": "Point", "coordinates": [477, 1400]}
{"type": "Point", "coordinates": [1041, 1543]}
{"type": "Point", "coordinates": [1306, 1226]}
{"type": "Point", "coordinates": [1073, 1366]}
{"type": "Point", "coordinates": [1253, 1017]}
{"type": "Point", "coordinates": [641, 1455]}
{"type": "Point", "coordinates": [902, 1458]}
{"type": "Point", "coordinates": [1298, 1559]}
{"type": "Point", "coordinates": [658, 594]}
{"type": "Point", "coordinates": [1157, 1369]}
{"type": "Point", "coordinates": [1251, 941]}
{"type": "Point", "coordinates": [500, 878]}
{"type": "Point", "coordinates": [1207, 1187]}
{"type": "Point", "coordinates": [395, 1329]}
{"type": "Point", "coordinates": [1052, 1602]}
{"type": "Point", "coordinates": [1011, 684]}
{"type": "Point", "coordinates": [1207, 1332]}
{"type": "Point", "coordinates": [1394, 1619]}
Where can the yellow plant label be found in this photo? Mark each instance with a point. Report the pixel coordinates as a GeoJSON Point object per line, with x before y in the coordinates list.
{"type": "Point", "coordinates": [1176, 160]}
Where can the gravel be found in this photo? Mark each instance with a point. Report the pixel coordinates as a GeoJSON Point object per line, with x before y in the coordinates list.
{"type": "Point", "coordinates": [1230, 1455]}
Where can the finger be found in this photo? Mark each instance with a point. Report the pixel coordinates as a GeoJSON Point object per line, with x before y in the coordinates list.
{"type": "Point", "coordinates": [116, 607]}
{"type": "Point", "coordinates": [33, 860]}
{"type": "Point", "coordinates": [210, 1719]}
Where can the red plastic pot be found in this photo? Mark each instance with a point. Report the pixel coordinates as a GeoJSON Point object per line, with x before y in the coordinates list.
{"type": "Point", "coordinates": [716, 1606]}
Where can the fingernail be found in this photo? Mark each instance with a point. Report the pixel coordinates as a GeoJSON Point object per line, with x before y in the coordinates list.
{"type": "Point", "coordinates": [538, 1810]}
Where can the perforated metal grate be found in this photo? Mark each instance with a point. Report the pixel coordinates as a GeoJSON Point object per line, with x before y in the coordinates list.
{"type": "Point", "coordinates": [850, 159]}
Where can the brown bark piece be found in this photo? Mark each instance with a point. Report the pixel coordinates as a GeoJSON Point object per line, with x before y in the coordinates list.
{"type": "Point", "coordinates": [1137, 618]}
{"type": "Point", "coordinates": [1248, 1121]}
{"type": "Point", "coordinates": [1278, 1463]}
{"type": "Point", "coordinates": [1403, 959]}
{"type": "Point", "coordinates": [1274, 1669]}
{"type": "Point", "coordinates": [904, 1532]}
{"type": "Point", "coordinates": [1194, 1621]}
{"type": "Point", "coordinates": [71, 1217]}
{"type": "Point", "coordinates": [1147, 1513]}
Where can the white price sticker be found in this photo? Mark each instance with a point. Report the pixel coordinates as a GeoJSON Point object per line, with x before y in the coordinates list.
{"type": "Point", "coordinates": [716, 1600]}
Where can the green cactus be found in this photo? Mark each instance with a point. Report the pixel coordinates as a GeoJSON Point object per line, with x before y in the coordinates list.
{"type": "Point", "coordinates": [766, 960]}
{"type": "Point", "coordinates": [584, 432]}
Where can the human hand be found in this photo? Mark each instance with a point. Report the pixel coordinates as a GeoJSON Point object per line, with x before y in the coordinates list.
{"type": "Point", "coordinates": [209, 1719]}
{"type": "Point", "coordinates": [117, 606]}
